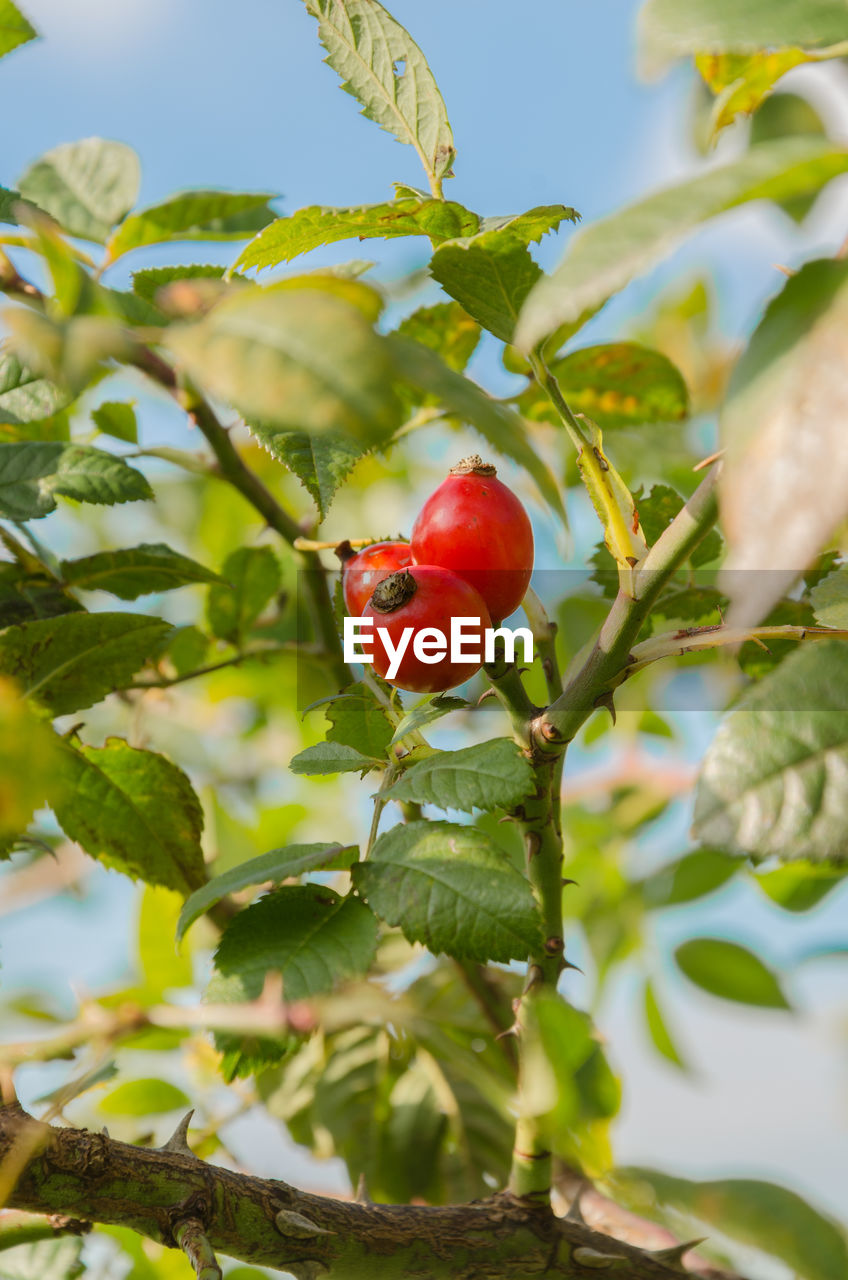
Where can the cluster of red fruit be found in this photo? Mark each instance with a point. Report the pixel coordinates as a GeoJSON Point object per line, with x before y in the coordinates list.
{"type": "Point", "coordinates": [470, 556]}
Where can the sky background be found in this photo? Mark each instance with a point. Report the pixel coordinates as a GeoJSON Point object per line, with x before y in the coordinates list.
{"type": "Point", "coordinates": [546, 106]}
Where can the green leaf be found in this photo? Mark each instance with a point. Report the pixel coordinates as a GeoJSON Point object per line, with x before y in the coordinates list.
{"type": "Point", "coordinates": [606, 256]}
{"type": "Point", "coordinates": [274, 867]}
{"type": "Point", "coordinates": [756, 1214]}
{"type": "Point", "coordinates": [143, 1098]}
{"type": "Point", "coordinates": [503, 429]}
{"type": "Point", "coordinates": [117, 420]}
{"type": "Point", "coordinates": [446, 329]}
{"type": "Point", "coordinates": [490, 275]}
{"type": "Point", "coordinates": [249, 579]}
{"type": "Point", "coordinates": [781, 416]}
{"type": "Point", "coordinates": [658, 1030]}
{"type": "Point", "coordinates": [672, 29]}
{"type": "Point", "coordinates": [321, 462]}
{"type": "Point", "coordinates": [741, 83]}
{"type": "Point", "coordinates": [332, 757]}
{"type": "Point", "coordinates": [132, 810]}
{"type": "Point", "coordinates": [14, 28]}
{"type": "Point", "coordinates": [34, 473]}
{"type": "Point", "coordinates": [383, 68]}
{"type": "Point", "coordinates": [159, 960]}
{"type": "Point", "coordinates": [829, 599]}
{"type": "Point", "coordinates": [426, 711]}
{"type": "Point", "coordinates": [784, 115]}
{"type": "Point", "coordinates": [193, 215]}
{"type": "Point", "coordinates": [525, 228]}
{"type": "Point", "coordinates": [774, 781]}
{"type": "Point", "coordinates": [616, 384]}
{"type": "Point", "coordinates": [490, 775]}
{"type": "Point", "coordinates": [358, 720]}
{"type": "Point", "coordinates": [87, 186]}
{"type": "Point", "coordinates": [452, 889]}
{"type": "Point", "coordinates": [26, 396]}
{"type": "Point", "coordinates": [46, 1260]}
{"type": "Point", "coordinates": [689, 878]}
{"type": "Point", "coordinates": [135, 571]}
{"type": "Point", "coordinates": [148, 281]}
{"type": "Point", "coordinates": [798, 886]}
{"type": "Point", "coordinates": [24, 596]}
{"type": "Point", "coordinates": [294, 358]}
{"type": "Point", "coordinates": [725, 969]}
{"type": "Point", "coordinates": [70, 662]}
{"type": "Point", "coordinates": [27, 761]}
{"type": "Point", "coordinates": [318, 225]}
{"type": "Point", "coordinates": [307, 933]}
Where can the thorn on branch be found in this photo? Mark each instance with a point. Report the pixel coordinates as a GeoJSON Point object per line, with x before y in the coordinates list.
{"type": "Point", "coordinates": [673, 1256]}
{"type": "Point", "coordinates": [362, 1196]}
{"type": "Point", "coordinates": [575, 1213]}
{"type": "Point", "coordinates": [606, 700]}
{"type": "Point", "coordinates": [178, 1140]}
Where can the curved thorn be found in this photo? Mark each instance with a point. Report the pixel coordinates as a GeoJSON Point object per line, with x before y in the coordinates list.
{"type": "Point", "coordinates": [178, 1140]}
{"type": "Point", "coordinates": [673, 1256]}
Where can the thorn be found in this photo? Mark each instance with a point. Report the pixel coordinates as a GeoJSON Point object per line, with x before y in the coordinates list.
{"type": "Point", "coordinates": [787, 271]}
{"type": "Point", "coordinates": [575, 1213]}
{"type": "Point", "coordinates": [606, 700]}
{"type": "Point", "coordinates": [762, 644]}
{"type": "Point", "coordinates": [706, 462]}
{"type": "Point", "coordinates": [565, 882]}
{"type": "Point", "coordinates": [362, 1196]}
{"type": "Point", "coordinates": [178, 1140]}
{"type": "Point", "coordinates": [566, 964]}
{"type": "Point", "coordinates": [105, 1132]}
{"type": "Point", "coordinates": [673, 1256]}
{"type": "Point", "coordinates": [592, 1258]}
{"type": "Point", "coordinates": [510, 1031]}
{"type": "Point", "coordinates": [487, 693]}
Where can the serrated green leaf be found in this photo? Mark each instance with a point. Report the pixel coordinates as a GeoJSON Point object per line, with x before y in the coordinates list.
{"type": "Point", "coordinates": [732, 972]}
{"type": "Point", "coordinates": [525, 228]}
{"type": "Point", "coordinates": [87, 186]}
{"type": "Point", "coordinates": [774, 781]}
{"type": "Point", "coordinates": [658, 1030]}
{"type": "Point", "coordinates": [332, 757]}
{"type": "Point", "coordinates": [135, 571]}
{"type": "Point", "coordinates": [451, 888]}
{"type": "Point", "coordinates": [358, 720]}
{"type": "Point", "coordinates": [193, 215]}
{"type": "Point", "coordinates": [249, 579]}
{"type": "Point", "coordinates": [383, 68]}
{"type": "Point", "coordinates": [425, 713]}
{"type": "Point", "coordinates": [320, 462]}
{"type": "Point", "coordinates": [143, 1098]}
{"type": "Point", "coordinates": [132, 810]}
{"type": "Point", "coordinates": [446, 329]}
{"type": "Point", "coordinates": [116, 419]}
{"type": "Point", "coordinates": [756, 1214]}
{"type": "Point", "coordinates": [307, 933]}
{"type": "Point", "coordinates": [34, 473]}
{"type": "Point", "coordinates": [318, 225]}
{"type": "Point", "coordinates": [26, 396]}
{"type": "Point", "coordinates": [14, 28]}
{"type": "Point", "coordinates": [295, 358]}
{"type": "Point", "coordinates": [829, 599]}
{"type": "Point", "coordinates": [489, 775]}
{"type": "Point", "coordinates": [617, 384]}
{"type": "Point", "coordinates": [670, 29]}
{"type": "Point", "coordinates": [503, 429]}
{"type": "Point", "coordinates": [491, 275]}
{"type": "Point", "coordinates": [606, 256]}
{"type": "Point", "coordinates": [280, 864]}
{"type": "Point", "coordinates": [70, 662]}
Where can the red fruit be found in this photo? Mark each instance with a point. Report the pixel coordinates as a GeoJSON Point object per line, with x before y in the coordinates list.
{"type": "Point", "coordinates": [426, 598]}
{"type": "Point", "coordinates": [476, 526]}
{"type": "Point", "coordinates": [363, 570]}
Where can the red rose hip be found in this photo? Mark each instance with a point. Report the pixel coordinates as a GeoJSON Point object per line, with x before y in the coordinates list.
{"type": "Point", "coordinates": [474, 525]}
{"type": "Point", "coordinates": [362, 570]}
{"type": "Point", "coordinates": [420, 610]}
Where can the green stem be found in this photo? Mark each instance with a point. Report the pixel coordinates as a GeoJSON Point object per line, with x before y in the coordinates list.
{"type": "Point", "coordinates": [28, 1228]}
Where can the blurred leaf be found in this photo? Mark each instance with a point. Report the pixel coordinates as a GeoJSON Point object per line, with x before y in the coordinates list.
{"type": "Point", "coordinates": [799, 885]}
{"type": "Point", "coordinates": [452, 889]}
{"type": "Point", "coordinates": [14, 28]}
{"type": "Point", "coordinates": [332, 757]}
{"type": "Point", "coordinates": [725, 969]}
{"type": "Point", "coordinates": [27, 761]}
{"type": "Point", "coordinates": [503, 429]}
{"type": "Point", "coordinates": [87, 186]}
{"type": "Point", "coordinates": [294, 358]}
{"type": "Point", "coordinates": [193, 215]}
{"type": "Point", "coordinates": [76, 1088]}
{"type": "Point", "coordinates": [32, 474]}
{"type": "Point", "coordinates": [445, 328]}
{"type": "Point", "coordinates": [143, 1098]}
{"type": "Point", "coordinates": [782, 416]}
{"type": "Point", "coordinates": [426, 712]}
{"type": "Point", "coordinates": [756, 1214]}
{"type": "Point", "coordinates": [606, 256]}
{"type": "Point", "coordinates": [383, 68]}
{"type": "Point", "coordinates": [829, 598]}
{"type": "Point", "coordinates": [490, 275]}
{"type": "Point", "coordinates": [617, 384]}
{"type": "Point", "coordinates": [163, 966]}
{"type": "Point", "coordinates": [117, 420]}
{"type": "Point", "coordinates": [359, 720]}
{"type": "Point", "coordinates": [70, 662]}
{"type": "Point", "coordinates": [320, 462]}
{"type": "Point", "coordinates": [689, 878]}
{"type": "Point", "coordinates": [250, 578]}
{"type": "Point", "coordinates": [317, 225]}
{"type": "Point", "coordinates": [741, 83]}
{"type": "Point", "coordinates": [784, 115]}
{"type": "Point", "coordinates": [489, 775]}
{"type": "Point", "coordinates": [274, 867]}
{"type": "Point", "coordinates": [149, 280]}
{"type": "Point", "coordinates": [658, 1030]}
{"type": "Point", "coordinates": [774, 781]}
{"type": "Point", "coordinates": [26, 396]}
{"type": "Point", "coordinates": [47, 1259]}
{"type": "Point", "coordinates": [135, 571]}
{"type": "Point", "coordinates": [133, 810]}
{"type": "Point", "coordinates": [186, 648]}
